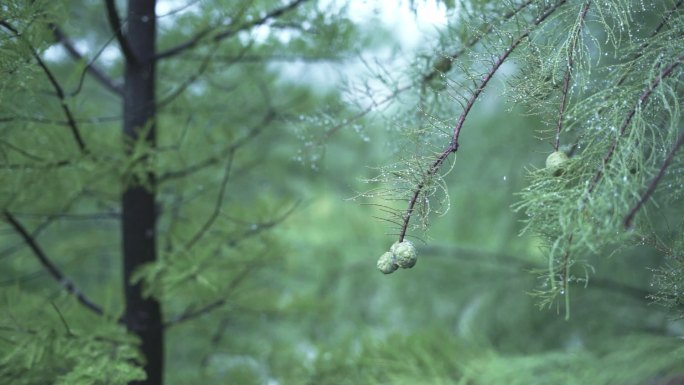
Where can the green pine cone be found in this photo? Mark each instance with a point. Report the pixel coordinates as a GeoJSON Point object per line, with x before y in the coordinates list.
{"type": "Point", "coordinates": [405, 254]}
{"type": "Point", "coordinates": [555, 162]}
{"type": "Point", "coordinates": [386, 263]}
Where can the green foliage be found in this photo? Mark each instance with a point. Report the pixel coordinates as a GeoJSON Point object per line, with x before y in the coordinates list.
{"type": "Point", "coordinates": [221, 148]}
{"type": "Point", "coordinates": [40, 345]}
{"type": "Point", "coordinates": [428, 358]}
{"type": "Point", "coordinates": [667, 279]}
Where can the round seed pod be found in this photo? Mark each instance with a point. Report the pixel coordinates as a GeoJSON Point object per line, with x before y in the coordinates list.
{"type": "Point", "coordinates": [555, 161]}
{"type": "Point", "coordinates": [386, 263]}
{"type": "Point", "coordinates": [405, 254]}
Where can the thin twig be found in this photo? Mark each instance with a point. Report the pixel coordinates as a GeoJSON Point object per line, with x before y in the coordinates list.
{"type": "Point", "coordinates": [642, 49]}
{"type": "Point", "coordinates": [256, 228]}
{"type": "Point", "coordinates": [565, 267]}
{"type": "Point", "coordinates": [476, 39]}
{"type": "Point", "coordinates": [425, 78]}
{"type": "Point", "coordinates": [568, 73]}
{"type": "Point", "coordinates": [654, 182]}
{"type": "Point", "coordinates": [90, 67]}
{"type": "Point", "coordinates": [190, 314]}
{"type": "Point", "coordinates": [61, 317]}
{"type": "Point", "coordinates": [204, 65]}
{"type": "Point", "coordinates": [65, 282]}
{"type": "Point", "coordinates": [453, 145]}
{"type": "Point", "coordinates": [195, 40]}
{"type": "Point", "coordinates": [210, 161]}
{"type": "Point", "coordinates": [217, 208]}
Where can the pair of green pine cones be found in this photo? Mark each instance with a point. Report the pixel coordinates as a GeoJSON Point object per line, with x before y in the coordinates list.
{"type": "Point", "coordinates": [401, 254]}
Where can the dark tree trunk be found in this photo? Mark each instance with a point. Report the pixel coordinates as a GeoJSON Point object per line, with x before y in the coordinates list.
{"type": "Point", "coordinates": [142, 315]}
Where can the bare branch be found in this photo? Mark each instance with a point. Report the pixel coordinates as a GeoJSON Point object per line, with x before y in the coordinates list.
{"type": "Point", "coordinates": [453, 145]}
{"type": "Point", "coordinates": [68, 285]}
{"type": "Point", "coordinates": [117, 29]}
{"type": "Point", "coordinates": [194, 41]}
{"type": "Point", "coordinates": [91, 68]}
{"type": "Point", "coordinates": [654, 182]}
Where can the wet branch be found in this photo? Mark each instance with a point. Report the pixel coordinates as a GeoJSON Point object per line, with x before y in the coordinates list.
{"type": "Point", "coordinates": [641, 102]}
{"type": "Point", "coordinates": [453, 145]}
{"type": "Point", "coordinates": [474, 40]}
{"type": "Point", "coordinates": [642, 49]}
{"type": "Point", "coordinates": [654, 182]}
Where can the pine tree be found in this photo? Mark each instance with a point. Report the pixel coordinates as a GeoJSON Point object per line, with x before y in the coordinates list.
{"type": "Point", "coordinates": [582, 97]}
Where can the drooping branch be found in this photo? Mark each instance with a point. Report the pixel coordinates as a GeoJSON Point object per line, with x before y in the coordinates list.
{"type": "Point", "coordinates": [453, 145]}
{"type": "Point", "coordinates": [117, 29]}
{"type": "Point", "coordinates": [568, 73]}
{"type": "Point", "coordinates": [91, 68]}
{"type": "Point", "coordinates": [54, 271]}
{"type": "Point", "coordinates": [59, 91]}
{"type": "Point", "coordinates": [654, 182]}
{"type": "Point", "coordinates": [47, 221]}
{"type": "Point", "coordinates": [199, 37]}
{"type": "Point", "coordinates": [640, 103]}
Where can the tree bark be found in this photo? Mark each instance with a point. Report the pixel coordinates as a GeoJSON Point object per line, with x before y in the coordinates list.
{"type": "Point", "coordinates": [142, 315]}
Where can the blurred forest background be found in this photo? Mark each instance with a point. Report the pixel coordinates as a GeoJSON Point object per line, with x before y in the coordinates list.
{"type": "Point", "coordinates": [222, 224]}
